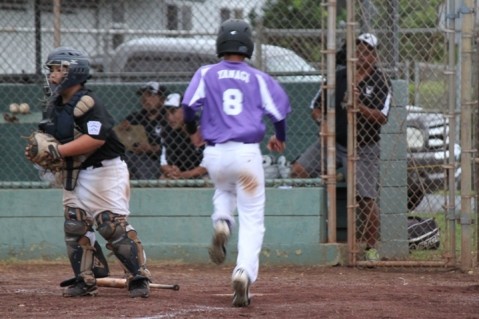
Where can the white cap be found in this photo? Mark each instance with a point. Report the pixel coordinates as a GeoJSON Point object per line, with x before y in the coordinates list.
{"type": "Point", "coordinates": [173, 100]}
{"type": "Point", "coordinates": [369, 39]}
{"type": "Point", "coordinates": [152, 87]}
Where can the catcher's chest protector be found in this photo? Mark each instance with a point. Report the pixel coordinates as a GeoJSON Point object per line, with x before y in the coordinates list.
{"type": "Point", "coordinates": [63, 119]}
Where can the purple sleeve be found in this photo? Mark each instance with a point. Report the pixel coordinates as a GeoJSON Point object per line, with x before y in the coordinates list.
{"type": "Point", "coordinates": [189, 114]}
{"type": "Point", "coordinates": [190, 120]}
{"type": "Point", "coordinates": [195, 92]}
{"type": "Point", "coordinates": [275, 99]}
{"type": "Point", "coordinates": [280, 130]}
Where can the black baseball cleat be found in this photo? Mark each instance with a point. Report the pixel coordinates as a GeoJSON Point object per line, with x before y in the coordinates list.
{"type": "Point", "coordinates": [80, 289]}
{"type": "Point", "coordinates": [241, 284]}
{"type": "Point", "coordinates": [139, 286]}
{"type": "Point", "coordinates": [217, 250]}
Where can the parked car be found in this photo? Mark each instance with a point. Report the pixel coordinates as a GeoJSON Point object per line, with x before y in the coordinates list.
{"type": "Point", "coordinates": [427, 137]}
{"type": "Point", "coordinates": [176, 59]}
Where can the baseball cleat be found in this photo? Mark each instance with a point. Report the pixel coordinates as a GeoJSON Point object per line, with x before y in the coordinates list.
{"type": "Point", "coordinates": [80, 289]}
{"type": "Point", "coordinates": [241, 288]}
{"type": "Point", "coordinates": [139, 286]}
{"type": "Point", "coordinates": [217, 250]}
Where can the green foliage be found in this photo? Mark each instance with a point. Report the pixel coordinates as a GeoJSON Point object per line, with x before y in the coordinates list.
{"type": "Point", "coordinates": [428, 46]}
{"type": "Point", "coordinates": [419, 15]}
{"type": "Point", "coordinates": [297, 14]}
{"type": "Point", "coordinates": [432, 94]}
{"type": "Point", "coordinates": [293, 14]}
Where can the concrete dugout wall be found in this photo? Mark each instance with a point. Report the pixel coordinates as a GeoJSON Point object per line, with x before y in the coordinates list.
{"type": "Point", "coordinates": [174, 225]}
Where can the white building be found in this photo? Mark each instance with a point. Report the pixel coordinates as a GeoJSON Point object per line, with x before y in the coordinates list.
{"type": "Point", "coordinates": [98, 26]}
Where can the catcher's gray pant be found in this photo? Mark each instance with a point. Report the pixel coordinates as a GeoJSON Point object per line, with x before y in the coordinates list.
{"type": "Point", "coordinates": [236, 170]}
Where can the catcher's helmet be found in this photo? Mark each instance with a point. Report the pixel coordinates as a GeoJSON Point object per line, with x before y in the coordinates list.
{"type": "Point", "coordinates": [78, 65]}
{"type": "Point", "coordinates": [234, 36]}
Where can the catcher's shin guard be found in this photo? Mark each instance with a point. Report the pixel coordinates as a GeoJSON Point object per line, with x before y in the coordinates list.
{"type": "Point", "coordinates": [124, 242]}
{"type": "Point", "coordinates": [100, 265]}
{"type": "Point", "coordinates": [87, 261]}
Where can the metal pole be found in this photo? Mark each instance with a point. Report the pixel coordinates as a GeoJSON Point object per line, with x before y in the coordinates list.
{"type": "Point", "coordinates": [395, 36]}
{"type": "Point", "coordinates": [475, 126]}
{"type": "Point", "coordinates": [351, 169]}
{"type": "Point", "coordinates": [258, 50]}
{"type": "Point", "coordinates": [331, 120]}
{"type": "Point", "coordinates": [38, 39]}
{"type": "Point", "coordinates": [451, 73]}
{"type": "Point", "coordinates": [118, 17]}
{"type": "Point", "coordinates": [56, 23]}
{"type": "Point", "coordinates": [467, 219]}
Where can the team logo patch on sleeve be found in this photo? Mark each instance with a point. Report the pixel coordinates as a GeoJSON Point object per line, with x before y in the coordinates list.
{"type": "Point", "coordinates": [93, 127]}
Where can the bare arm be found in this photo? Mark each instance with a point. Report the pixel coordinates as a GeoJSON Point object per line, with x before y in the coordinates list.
{"type": "Point", "coordinates": [372, 115]}
{"type": "Point", "coordinates": [316, 115]}
{"type": "Point", "coordinates": [193, 173]}
{"type": "Point", "coordinates": [82, 145]}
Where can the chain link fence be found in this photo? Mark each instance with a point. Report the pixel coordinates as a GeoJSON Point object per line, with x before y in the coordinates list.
{"type": "Point", "coordinates": [420, 50]}
{"type": "Point", "coordinates": [140, 44]}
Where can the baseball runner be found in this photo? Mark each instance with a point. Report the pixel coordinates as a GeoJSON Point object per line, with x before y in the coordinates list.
{"type": "Point", "coordinates": [234, 97]}
{"type": "Point", "coordinates": [77, 138]}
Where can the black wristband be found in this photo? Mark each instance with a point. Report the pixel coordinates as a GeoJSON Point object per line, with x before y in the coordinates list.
{"type": "Point", "coordinates": [191, 127]}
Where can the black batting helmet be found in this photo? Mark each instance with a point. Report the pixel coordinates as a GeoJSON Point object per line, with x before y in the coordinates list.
{"type": "Point", "coordinates": [235, 36]}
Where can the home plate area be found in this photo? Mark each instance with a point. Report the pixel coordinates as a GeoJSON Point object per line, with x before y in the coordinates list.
{"type": "Point", "coordinates": [30, 289]}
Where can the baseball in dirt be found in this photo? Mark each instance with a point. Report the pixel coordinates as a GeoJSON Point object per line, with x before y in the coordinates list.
{"type": "Point", "coordinates": [24, 108]}
{"type": "Point", "coordinates": [14, 108]}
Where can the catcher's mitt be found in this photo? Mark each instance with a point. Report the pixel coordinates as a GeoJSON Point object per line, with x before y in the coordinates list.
{"type": "Point", "coordinates": [42, 149]}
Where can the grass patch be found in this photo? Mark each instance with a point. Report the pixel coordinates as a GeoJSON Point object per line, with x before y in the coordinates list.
{"type": "Point", "coordinates": [431, 95]}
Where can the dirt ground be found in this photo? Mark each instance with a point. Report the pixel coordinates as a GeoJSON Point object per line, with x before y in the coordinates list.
{"type": "Point", "coordinates": [31, 290]}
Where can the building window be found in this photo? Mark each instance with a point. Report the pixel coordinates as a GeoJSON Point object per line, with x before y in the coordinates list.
{"type": "Point", "coordinates": [238, 13]}
{"type": "Point", "coordinates": [186, 18]}
{"type": "Point", "coordinates": [179, 18]}
{"type": "Point", "coordinates": [69, 6]}
{"type": "Point", "coordinates": [225, 14]}
{"type": "Point", "coordinates": [172, 17]}
{"type": "Point", "coordinates": [13, 5]}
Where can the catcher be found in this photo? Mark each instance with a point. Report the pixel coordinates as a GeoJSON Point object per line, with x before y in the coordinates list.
{"type": "Point", "coordinates": [77, 139]}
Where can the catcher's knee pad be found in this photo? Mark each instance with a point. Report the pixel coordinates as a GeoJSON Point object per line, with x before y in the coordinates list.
{"type": "Point", "coordinates": [124, 242]}
{"type": "Point", "coordinates": [76, 223]}
{"type": "Point", "coordinates": [85, 254]}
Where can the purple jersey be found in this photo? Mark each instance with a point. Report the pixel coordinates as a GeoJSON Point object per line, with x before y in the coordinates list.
{"type": "Point", "coordinates": [233, 98]}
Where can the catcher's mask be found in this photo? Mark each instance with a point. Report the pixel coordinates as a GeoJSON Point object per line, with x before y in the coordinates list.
{"type": "Point", "coordinates": [77, 64]}
{"type": "Point", "coordinates": [234, 36]}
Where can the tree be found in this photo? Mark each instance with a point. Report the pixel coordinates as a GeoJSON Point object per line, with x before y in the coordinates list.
{"type": "Point", "coordinates": [297, 15]}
